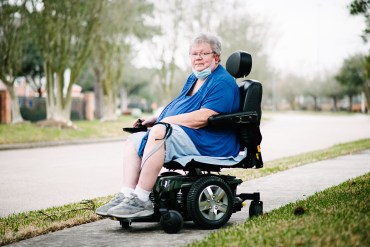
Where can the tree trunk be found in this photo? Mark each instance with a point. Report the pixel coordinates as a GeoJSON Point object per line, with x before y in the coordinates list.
{"type": "Point", "coordinates": [124, 101]}
{"type": "Point", "coordinates": [366, 89]}
{"type": "Point", "coordinates": [315, 103]}
{"type": "Point", "coordinates": [109, 109]}
{"type": "Point", "coordinates": [15, 109]}
{"type": "Point", "coordinates": [98, 99]}
{"type": "Point", "coordinates": [58, 106]}
{"type": "Point", "coordinates": [335, 104]}
{"type": "Point", "coordinates": [350, 103]}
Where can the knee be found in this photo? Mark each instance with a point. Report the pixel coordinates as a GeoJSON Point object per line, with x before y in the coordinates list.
{"type": "Point", "coordinates": [128, 147]}
{"type": "Point", "coordinates": [157, 132]}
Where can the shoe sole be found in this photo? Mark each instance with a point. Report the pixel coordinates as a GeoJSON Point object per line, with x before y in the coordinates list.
{"type": "Point", "coordinates": [138, 214]}
{"type": "Point", "coordinates": [102, 214]}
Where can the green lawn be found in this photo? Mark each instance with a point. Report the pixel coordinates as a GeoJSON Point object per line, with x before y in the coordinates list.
{"type": "Point", "coordinates": [30, 132]}
{"type": "Point", "coordinates": [339, 216]}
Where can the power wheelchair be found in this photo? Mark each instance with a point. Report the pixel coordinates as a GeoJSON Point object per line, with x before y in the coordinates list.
{"type": "Point", "coordinates": [202, 195]}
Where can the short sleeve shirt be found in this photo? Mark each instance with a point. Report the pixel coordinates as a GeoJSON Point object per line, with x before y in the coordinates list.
{"type": "Point", "coordinates": [219, 93]}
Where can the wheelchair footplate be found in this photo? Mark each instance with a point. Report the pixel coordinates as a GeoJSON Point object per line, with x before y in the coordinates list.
{"type": "Point", "coordinates": [171, 221]}
{"type": "Point", "coordinates": [150, 218]}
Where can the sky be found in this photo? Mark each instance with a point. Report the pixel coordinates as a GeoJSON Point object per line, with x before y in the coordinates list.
{"type": "Point", "coordinates": [305, 37]}
{"type": "Point", "coordinates": [310, 37]}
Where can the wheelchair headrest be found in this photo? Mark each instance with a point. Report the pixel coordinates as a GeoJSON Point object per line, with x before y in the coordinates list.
{"type": "Point", "coordinates": [239, 64]}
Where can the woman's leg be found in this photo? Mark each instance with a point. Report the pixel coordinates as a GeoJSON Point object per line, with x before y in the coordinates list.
{"type": "Point", "coordinates": [131, 165]}
{"type": "Point", "coordinates": [154, 163]}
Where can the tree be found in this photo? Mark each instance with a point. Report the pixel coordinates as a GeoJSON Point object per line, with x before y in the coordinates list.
{"type": "Point", "coordinates": [65, 33]}
{"type": "Point", "coordinates": [123, 22]}
{"type": "Point", "coordinates": [289, 88]}
{"type": "Point", "coordinates": [352, 77]}
{"type": "Point", "coordinates": [362, 7]}
{"type": "Point", "coordinates": [332, 89]}
{"type": "Point", "coordinates": [32, 66]}
{"type": "Point", "coordinates": [166, 47]}
{"type": "Point", "coordinates": [12, 35]}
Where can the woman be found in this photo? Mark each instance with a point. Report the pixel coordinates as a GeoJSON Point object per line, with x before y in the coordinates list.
{"type": "Point", "coordinates": [209, 90]}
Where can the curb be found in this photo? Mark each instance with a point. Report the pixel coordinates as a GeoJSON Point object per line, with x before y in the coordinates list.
{"type": "Point", "coordinates": [15, 146]}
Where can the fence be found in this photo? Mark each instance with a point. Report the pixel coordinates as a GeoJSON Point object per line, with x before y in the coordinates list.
{"type": "Point", "coordinates": [34, 109]}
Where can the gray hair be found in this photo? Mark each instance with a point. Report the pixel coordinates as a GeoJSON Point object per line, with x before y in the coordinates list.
{"type": "Point", "coordinates": [209, 39]}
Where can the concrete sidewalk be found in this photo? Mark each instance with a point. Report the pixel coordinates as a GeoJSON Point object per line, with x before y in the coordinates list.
{"type": "Point", "coordinates": [276, 190]}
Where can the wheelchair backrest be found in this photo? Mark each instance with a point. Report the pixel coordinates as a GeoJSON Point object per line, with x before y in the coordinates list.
{"type": "Point", "coordinates": [239, 65]}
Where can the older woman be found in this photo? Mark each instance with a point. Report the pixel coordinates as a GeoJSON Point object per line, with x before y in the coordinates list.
{"type": "Point", "coordinates": [208, 91]}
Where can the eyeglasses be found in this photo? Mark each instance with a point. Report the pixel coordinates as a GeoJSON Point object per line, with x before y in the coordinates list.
{"type": "Point", "coordinates": [201, 54]}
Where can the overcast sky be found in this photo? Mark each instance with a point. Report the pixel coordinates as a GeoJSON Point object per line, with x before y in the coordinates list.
{"type": "Point", "coordinates": [310, 36]}
{"type": "Point", "coordinates": [305, 37]}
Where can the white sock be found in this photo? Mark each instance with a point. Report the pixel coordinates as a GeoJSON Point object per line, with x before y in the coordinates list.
{"type": "Point", "coordinates": [127, 191]}
{"type": "Point", "coordinates": [142, 194]}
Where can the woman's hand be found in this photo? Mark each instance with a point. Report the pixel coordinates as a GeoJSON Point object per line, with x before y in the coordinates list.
{"type": "Point", "coordinates": [148, 122]}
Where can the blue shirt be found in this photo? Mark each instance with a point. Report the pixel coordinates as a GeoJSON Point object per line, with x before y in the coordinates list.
{"type": "Point", "coordinates": [219, 93]}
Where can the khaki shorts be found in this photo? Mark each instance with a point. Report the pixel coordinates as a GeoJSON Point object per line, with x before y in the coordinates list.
{"type": "Point", "coordinates": [177, 145]}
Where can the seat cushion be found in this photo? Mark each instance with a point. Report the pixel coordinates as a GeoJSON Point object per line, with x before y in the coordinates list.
{"type": "Point", "coordinates": [216, 161]}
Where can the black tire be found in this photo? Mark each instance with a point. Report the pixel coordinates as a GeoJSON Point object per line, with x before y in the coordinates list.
{"type": "Point", "coordinates": [210, 202]}
{"type": "Point", "coordinates": [255, 209]}
{"type": "Point", "coordinates": [172, 221]}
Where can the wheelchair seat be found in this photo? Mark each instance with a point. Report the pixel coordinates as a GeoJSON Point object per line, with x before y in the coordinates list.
{"type": "Point", "coordinates": [246, 121]}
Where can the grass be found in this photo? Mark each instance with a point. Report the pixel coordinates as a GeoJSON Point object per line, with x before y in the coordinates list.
{"type": "Point", "coordinates": [338, 216]}
{"type": "Point", "coordinates": [26, 225]}
{"type": "Point", "coordinates": [30, 132]}
{"type": "Point", "coordinates": [21, 226]}
{"type": "Point", "coordinates": [301, 159]}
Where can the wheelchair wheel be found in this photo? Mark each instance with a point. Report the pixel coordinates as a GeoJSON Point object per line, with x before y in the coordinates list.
{"type": "Point", "coordinates": [255, 209]}
{"type": "Point", "coordinates": [210, 202]}
{"type": "Point", "coordinates": [172, 221]}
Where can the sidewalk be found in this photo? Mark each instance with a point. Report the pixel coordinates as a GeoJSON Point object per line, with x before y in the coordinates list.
{"type": "Point", "coordinates": [276, 190]}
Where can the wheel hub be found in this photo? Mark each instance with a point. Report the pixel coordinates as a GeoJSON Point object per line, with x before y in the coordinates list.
{"type": "Point", "coordinates": [213, 202]}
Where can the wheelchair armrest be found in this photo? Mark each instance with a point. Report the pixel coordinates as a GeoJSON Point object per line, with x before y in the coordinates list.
{"type": "Point", "coordinates": [238, 118]}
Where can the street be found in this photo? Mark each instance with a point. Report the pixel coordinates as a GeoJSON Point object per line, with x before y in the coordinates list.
{"type": "Point", "coordinates": [32, 179]}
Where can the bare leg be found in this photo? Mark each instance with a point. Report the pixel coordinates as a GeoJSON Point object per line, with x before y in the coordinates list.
{"type": "Point", "coordinates": [131, 166]}
{"type": "Point", "coordinates": [154, 163]}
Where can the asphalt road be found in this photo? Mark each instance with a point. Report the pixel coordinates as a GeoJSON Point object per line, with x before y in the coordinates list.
{"type": "Point", "coordinates": [32, 179]}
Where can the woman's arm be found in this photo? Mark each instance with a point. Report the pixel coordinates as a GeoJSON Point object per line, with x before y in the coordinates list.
{"type": "Point", "coordinates": [195, 119]}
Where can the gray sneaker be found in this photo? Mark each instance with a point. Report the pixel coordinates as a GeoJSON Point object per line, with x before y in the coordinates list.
{"type": "Point", "coordinates": [114, 202]}
{"type": "Point", "coordinates": [132, 207]}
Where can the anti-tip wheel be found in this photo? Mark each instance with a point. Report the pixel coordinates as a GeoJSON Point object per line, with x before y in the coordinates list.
{"type": "Point", "coordinates": [255, 209]}
{"type": "Point", "coordinates": [125, 224]}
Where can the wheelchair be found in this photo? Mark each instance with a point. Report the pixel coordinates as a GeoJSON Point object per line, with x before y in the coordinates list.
{"type": "Point", "coordinates": [203, 195]}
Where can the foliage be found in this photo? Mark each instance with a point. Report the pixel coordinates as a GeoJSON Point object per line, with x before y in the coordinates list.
{"type": "Point", "coordinates": [12, 35]}
{"type": "Point", "coordinates": [32, 67]}
{"type": "Point", "coordinates": [362, 7]}
{"type": "Point", "coordinates": [112, 50]}
{"type": "Point", "coordinates": [352, 76]}
{"type": "Point", "coordinates": [64, 31]}
{"type": "Point", "coordinates": [338, 216]}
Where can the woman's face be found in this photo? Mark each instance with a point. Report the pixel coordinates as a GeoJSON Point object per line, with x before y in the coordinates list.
{"type": "Point", "coordinates": [202, 56]}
